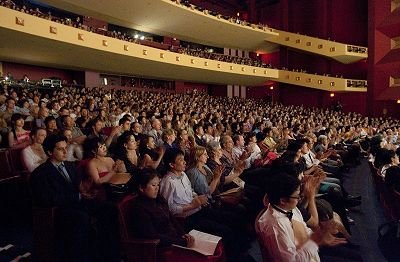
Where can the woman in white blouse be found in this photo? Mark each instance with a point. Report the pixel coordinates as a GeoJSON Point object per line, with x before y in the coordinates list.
{"type": "Point", "coordinates": [34, 155]}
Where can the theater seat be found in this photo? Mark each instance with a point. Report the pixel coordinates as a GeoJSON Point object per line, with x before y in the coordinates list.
{"type": "Point", "coordinates": [5, 164]}
{"type": "Point", "coordinates": [17, 164]}
{"type": "Point", "coordinates": [146, 250]}
{"type": "Point", "coordinates": [134, 249]}
{"type": "Point", "coordinates": [395, 205]}
{"type": "Point", "coordinates": [263, 246]}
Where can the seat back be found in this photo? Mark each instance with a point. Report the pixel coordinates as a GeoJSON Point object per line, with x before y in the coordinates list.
{"type": "Point", "coordinates": [263, 246]}
{"type": "Point", "coordinates": [124, 219]}
{"type": "Point", "coordinates": [5, 164]}
{"type": "Point", "coordinates": [17, 164]}
{"type": "Point", "coordinates": [395, 205]}
{"type": "Point", "coordinates": [43, 234]}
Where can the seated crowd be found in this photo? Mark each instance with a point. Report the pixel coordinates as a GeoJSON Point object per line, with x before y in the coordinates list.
{"type": "Point", "coordinates": [196, 162]}
{"type": "Point", "coordinates": [78, 23]}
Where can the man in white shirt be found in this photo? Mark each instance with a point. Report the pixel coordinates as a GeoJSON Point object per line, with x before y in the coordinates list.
{"type": "Point", "coordinates": [283, 231]}
{"type": "Point", "coordinates": [182, 201]}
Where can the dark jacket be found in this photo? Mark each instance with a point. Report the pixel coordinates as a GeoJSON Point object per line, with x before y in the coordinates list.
{"type": "Point", "coordinates": [151, 219]}
{"type": "Point", "coordinates": [51, 189]}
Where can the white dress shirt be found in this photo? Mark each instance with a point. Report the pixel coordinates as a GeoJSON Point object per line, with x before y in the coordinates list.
{"type": "Point", "coordinates": [278, 236]}
{"type": "Point", "coordinates": [311, 159]}
{"type": "Point", "coordinates": [178, 192]}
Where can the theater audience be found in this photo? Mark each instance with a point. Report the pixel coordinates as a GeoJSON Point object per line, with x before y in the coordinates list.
{"type": "Point", "coordinates": [230, 121]}
{"type": "Point", "coordinates": [182, 201]}
{"type": "Point", "coordinates": [55, 183]}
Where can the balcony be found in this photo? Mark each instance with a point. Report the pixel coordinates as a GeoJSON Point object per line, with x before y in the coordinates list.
{"type": "Point", "coordinates": [166, 17]}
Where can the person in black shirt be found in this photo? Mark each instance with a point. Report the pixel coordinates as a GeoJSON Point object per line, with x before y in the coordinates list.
{"type": "Point", "coordinates": [152, 217]}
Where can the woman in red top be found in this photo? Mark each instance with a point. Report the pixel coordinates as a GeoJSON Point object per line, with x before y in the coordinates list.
{"type": "Point", "coordinates": [98, 168]}
{"type": "Point", "coordinates": [18, 137]}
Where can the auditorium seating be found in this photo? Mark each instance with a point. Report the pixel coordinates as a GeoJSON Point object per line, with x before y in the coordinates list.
{"type": "Point", "coordinates": [11, 164]}
{"type": "Point", "coordinates": [389, 198]}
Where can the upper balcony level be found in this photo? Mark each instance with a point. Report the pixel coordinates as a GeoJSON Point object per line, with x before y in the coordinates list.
{"type": "Point", "coordinates": [33, 40]}
{"type": "Point", "coordinates": [172, 18]}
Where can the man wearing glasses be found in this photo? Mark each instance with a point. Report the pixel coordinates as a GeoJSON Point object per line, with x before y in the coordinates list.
{"type": "Point", "coordinates": [283, 231]}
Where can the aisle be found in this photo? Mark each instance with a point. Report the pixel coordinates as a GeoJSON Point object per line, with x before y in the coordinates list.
{"type": "Point", "coordinates": [368, 216]}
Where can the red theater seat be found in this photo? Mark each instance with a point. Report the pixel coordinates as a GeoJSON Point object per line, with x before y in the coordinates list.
{"type": "Point", "coordinates": [5, 164]}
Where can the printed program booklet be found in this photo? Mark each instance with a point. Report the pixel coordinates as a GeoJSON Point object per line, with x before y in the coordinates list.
{"type": "Point", "coordinates": [203, 243]}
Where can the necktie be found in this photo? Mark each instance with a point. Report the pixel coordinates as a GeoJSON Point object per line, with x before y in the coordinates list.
{"type": "Point", "coordinates": [62, 170]}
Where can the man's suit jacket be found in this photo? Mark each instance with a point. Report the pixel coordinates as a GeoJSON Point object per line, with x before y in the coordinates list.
{"type": "Point", "coordinates": [50, 188]}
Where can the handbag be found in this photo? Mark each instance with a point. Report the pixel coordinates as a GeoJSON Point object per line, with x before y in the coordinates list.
{"type": "Point", "coordinates": [119, 187]}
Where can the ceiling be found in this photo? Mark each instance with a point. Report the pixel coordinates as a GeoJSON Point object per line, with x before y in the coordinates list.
{"type": "Point", "coordinates": [168, 20]}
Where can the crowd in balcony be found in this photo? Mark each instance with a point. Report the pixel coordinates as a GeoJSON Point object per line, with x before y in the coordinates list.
{"type": "Point", "coordinates": [232, 19]}
{"type": "Point", "coordinates": [134, 38]}
{"type": "Point", "coordinates": [208, 53]}
{"type": "Point", "coordinates": [210, 144]}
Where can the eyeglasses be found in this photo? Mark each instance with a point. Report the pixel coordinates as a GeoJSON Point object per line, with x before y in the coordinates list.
{"type": "Point", "coordinates": [299, 197]}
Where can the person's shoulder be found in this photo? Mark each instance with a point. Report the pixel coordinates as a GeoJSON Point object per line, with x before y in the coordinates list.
{"type": "Point", "coordinates": [191, 171]}
{"type": "Point", "coordinates": [41, 170]}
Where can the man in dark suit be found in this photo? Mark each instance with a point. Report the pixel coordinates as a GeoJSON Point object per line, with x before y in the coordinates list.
{"type": "Point", "coordinates": [55, 183]}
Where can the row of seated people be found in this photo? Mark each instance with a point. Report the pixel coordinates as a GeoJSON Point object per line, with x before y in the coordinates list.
{"type": "Point", "coordinates": [131, 38]}
{"type": "Point", "coordinates": [101, 152]}
{"type": "Point", "coordinates": [234, 158]}
{"type": "Point", "coordinates": [205, 53]}
{"type": "Point", "coordinates": [176, 188]}
{"type": "Point", "coordinates": [384, 163]}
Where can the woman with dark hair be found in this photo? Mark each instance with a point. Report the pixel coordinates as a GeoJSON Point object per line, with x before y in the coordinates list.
{"type": "Point", "coordinates": [126, 152]}
{"type": "Point", "coordinates": [150, 156]}
{"type": "Point", "coordinates": [18, 137]}
{"type": "Point", "coordinates": [99, 168]}
{"type": "Point", "coordinates": [152, 217]}
{"type": "Point", "coordinates": [34, 155]}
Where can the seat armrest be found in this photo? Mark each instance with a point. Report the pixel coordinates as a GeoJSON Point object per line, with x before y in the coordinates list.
{"type": "Point", "coordinates": [140, 250]}
{"type": "Point", "coordinates": [139, 241]}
